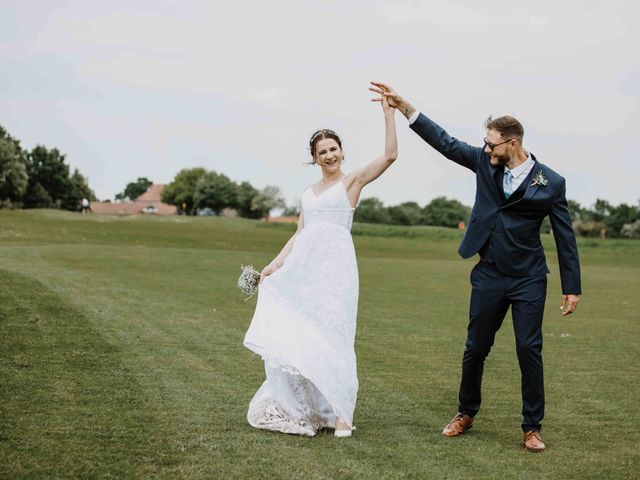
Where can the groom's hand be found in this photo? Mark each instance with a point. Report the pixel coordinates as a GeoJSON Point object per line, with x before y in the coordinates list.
{"type": "Point", "coordinates": [569, 304]}
{"type": "Point", "coordinates": [392, 97]}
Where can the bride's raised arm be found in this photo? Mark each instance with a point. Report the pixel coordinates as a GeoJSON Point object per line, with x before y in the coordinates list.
{"type": "Point", "coordinates": [356, 180]}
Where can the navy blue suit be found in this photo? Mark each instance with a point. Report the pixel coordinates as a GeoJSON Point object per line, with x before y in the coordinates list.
{"type": "Point", "coordinates": [512, 270]}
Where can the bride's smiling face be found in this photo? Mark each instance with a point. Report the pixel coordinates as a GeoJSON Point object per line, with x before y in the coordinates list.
{"type": "Point", "coordinates": [328, 155]}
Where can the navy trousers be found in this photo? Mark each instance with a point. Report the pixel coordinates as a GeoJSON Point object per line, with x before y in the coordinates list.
{"type": "Point", "coordinates": [491, 295]}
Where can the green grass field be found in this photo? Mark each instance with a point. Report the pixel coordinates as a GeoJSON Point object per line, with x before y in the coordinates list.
{"type": "Point", "coordinates": [121, 357]}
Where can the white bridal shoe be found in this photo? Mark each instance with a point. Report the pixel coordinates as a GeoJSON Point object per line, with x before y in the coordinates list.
{"type": "Point", "coordinates": [343, 432]}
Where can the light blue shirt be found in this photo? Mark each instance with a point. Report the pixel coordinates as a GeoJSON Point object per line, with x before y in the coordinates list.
{"type": "Point", "coordinates": [520, 172]}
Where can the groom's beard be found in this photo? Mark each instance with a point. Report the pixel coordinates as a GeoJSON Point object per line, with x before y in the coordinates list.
{"type": "Point", "coordinates": [500, 160]}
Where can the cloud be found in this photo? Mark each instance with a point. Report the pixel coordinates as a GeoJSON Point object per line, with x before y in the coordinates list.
{"type": "Point", "coordinates": [439, 12]}
{"type": "Point", "coordinates": [147, 88]}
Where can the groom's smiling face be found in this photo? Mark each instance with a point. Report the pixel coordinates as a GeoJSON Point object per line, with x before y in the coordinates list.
{"type": "Point", "coordinates": [499, 153]}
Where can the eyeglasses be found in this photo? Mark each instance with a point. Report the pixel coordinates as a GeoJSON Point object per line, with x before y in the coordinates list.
{"type": "Point", "coordinates": [494, 145]}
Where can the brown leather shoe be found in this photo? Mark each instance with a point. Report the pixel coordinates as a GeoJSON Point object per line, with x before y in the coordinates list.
{"type": "Point", "coordinates": [460, 424]}
{"type": "Point", "coordinates": [533, 441]}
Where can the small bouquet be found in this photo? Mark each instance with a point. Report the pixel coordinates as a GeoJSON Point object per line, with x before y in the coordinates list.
{"type": "Point", "coordinates": [248, 281]}
{"type": "Point", "coordinates": [540, 179]}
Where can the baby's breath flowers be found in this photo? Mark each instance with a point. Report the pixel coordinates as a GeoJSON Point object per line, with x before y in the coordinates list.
{"type": "Point", "coordinates": [248, 281]}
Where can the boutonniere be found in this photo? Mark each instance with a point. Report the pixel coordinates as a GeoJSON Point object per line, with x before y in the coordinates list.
{"type": "Point", "coordinates": [539, 179]}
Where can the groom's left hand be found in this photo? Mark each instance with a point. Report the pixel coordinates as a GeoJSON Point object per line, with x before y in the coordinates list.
{"type": "Point", "coordinates": [569, 304]}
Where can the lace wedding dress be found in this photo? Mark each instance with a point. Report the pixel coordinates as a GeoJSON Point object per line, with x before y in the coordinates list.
{"type": "Point", "coordinates": [305, 321]}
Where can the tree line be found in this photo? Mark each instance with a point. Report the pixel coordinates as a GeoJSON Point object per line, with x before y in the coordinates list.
{"type": "Point", "coordinates": [38, 178]}
{"type": "Point", "coordinates": [41, 178]}
{"type": "Point", "coordinates": [195, 189]}
{"type": "Point", "coordinates": [601, 220]}
{"type": "Point", "coordinates": [441, 211]}
{"type": "Point", "coordinates": [606, 220]}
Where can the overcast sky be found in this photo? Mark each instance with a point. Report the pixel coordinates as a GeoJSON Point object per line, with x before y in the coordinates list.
{"type": "Point", "coordinates": [146, 88]}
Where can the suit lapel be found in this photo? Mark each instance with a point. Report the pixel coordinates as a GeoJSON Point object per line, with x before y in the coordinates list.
{"type": "Point", "coordinates": [498, 178]}
{"type": "Point", "coordinates": [527, 183]}
{"type": "Point", "coordinates": [532, 189]}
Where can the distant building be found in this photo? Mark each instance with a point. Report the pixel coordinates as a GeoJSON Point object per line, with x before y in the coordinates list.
{"type": "Point", "coordinates": [147, 203]}
{"type": "Point", "coordinates": [288, 219]}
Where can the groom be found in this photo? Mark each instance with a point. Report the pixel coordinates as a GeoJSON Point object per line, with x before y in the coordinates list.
{"type": "Point", "coordinates": [514, 193]}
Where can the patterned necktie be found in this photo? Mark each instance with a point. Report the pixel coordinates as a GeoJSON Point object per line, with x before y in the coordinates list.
{"type": "Point", "coordinates": [508, 183]}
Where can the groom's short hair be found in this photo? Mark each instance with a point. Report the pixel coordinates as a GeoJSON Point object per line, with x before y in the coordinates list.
{"type": "Point", "coordinates": [508, 127]}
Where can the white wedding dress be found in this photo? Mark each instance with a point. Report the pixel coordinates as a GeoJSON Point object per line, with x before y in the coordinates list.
{"type": "Point", "coordinates": [305, 321]}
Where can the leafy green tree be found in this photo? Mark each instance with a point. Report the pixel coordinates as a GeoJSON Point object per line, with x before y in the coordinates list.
{"type": "Point", "coordinates": [4, 135]}
{"type": "Point", "coordinates": [180, 191]}
{"type": "Point", "coordinates": [215, 191]}
{"type": "Point", "coordinates": [619, 216]}
{"type": "Point", "coordinates": [38, 178]}
{"type": "Point", "coordinates": [48, 169]}
{"type": "Point", "coordinates": [134, 189]}
{"type": "Point", "coordinates": [267, 199]}
{"type": "Point", "coordinates": [291, 211]}
{"type": "Point", "coordinates": [13, 171]}
{"type": "Point", "coordinates": [600, 210]}
{"type": "Point", "coordinates": [245, 195]}
{"type": "Point", "coordinates": [631, 230]}
{"type": "Point", "coordinates": [576, 212]}
{"type": "Point", "coordinates": [79, 190]}
{"type": "Point", "coordinates": [445, 213]}
{"type": "Point", "coordinates": [407, 213]}
{"type": "Point", "coordinates": [37, 197]}
{"type": "Point", "coordinates": [371, 210]}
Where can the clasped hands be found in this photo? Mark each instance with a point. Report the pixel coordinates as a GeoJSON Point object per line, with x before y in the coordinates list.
{"type": "Point", "coordinates": [390, 96]}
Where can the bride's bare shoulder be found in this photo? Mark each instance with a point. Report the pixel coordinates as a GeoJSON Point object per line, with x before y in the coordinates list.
{"type": "Point", "coordinates": [351, 177]}
{"type": "Point", "coordinates": [312, 186]}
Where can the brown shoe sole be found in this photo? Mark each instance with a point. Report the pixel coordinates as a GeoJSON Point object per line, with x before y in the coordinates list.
{"type": "Point", "coordinates": [456, 434]}
{"type": "Point", "coordinates": [534, 450]}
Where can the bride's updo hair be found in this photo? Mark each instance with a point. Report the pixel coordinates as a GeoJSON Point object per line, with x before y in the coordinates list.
{"type": "Point", "coordinates": [321, 135]}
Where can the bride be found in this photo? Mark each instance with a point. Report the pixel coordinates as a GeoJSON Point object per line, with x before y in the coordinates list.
{"type": "Point", "coordinates": [305, 319]}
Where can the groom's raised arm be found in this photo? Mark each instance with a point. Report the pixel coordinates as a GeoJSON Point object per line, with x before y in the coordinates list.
{"type": "Point", "coordinates": [460, 152]}
{"type": "Point", "coordinates": [432, 133]}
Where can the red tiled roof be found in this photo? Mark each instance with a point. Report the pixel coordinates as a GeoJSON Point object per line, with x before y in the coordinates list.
{"type": "Point", "coordinates": [151, 198]}
{"type": "Point", "coordinates": [289, 219]}
{"type": "Point", "coordinates": [152, 194]}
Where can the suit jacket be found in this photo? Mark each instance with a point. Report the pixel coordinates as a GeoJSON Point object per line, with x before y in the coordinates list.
{"type": "Point", "coordinates": [509, 230]}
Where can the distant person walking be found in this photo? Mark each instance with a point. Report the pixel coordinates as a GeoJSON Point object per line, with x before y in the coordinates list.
{"type": "Point", "coordinates": [86, 206]}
